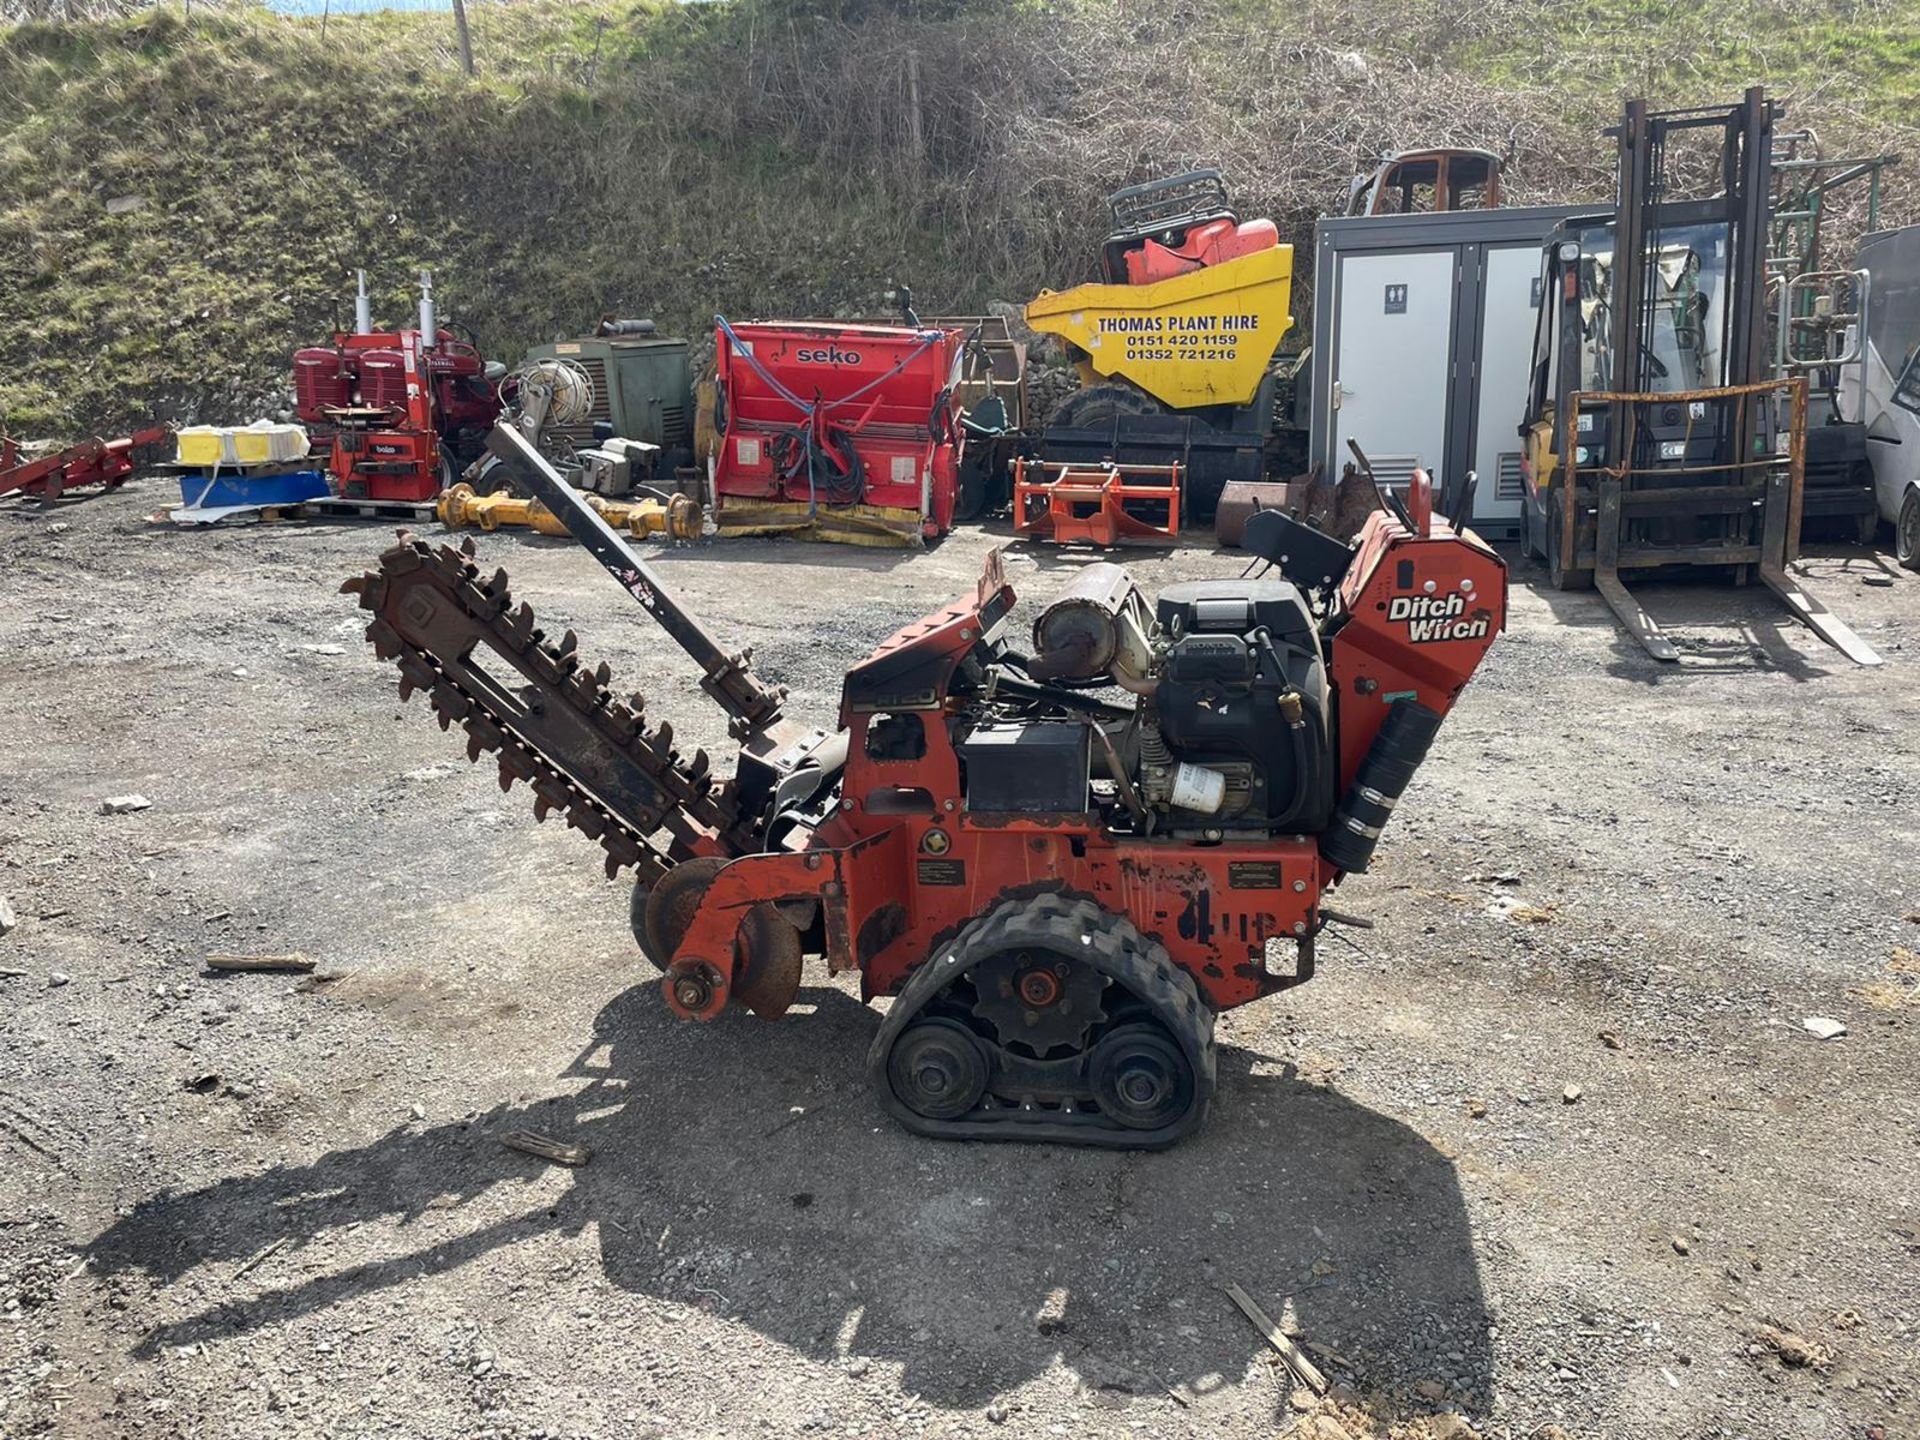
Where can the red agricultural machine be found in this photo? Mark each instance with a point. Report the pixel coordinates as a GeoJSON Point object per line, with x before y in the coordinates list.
{"type": "Point", "coordinates": [844, 432]}
{"type": "Point", "coordinates": [1058, 888]}
{"type": "Point", "coordinates": [402, 411]}
{"type": "Point", "coordinates": [91, 462]}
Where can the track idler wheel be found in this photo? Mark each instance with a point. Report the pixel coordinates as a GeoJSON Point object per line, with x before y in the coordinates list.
{"type": "Point", "coordinates": [1048, 1018]}
{"type": "Point", "coordinates": [766, 974]}
{"type": "Point", "coordinates": [1140, 1078]}
{"type": "Point", "coordinates": [937, 1069]}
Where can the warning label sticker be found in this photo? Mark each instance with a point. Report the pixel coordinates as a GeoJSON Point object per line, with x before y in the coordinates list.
{"type": "Point", "coordinates": [1253, 874]}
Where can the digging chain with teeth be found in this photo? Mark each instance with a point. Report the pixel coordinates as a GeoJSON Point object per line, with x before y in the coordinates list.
{"type": "Point", "coordinates": [432, 609]}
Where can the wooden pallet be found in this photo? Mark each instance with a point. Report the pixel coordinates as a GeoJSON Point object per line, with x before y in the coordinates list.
{"type": "Point", "coordinates": [337, 509]}
{"type": "Point", "coordinates": [330, 509]}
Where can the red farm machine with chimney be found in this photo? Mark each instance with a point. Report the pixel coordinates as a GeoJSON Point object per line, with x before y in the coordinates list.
{"type": "Point", "coordinates": [1061, 854]}
{"type": "Point", "coordinates": [838, 431]}
{"type": "Point", "coordinates": [402, 412]}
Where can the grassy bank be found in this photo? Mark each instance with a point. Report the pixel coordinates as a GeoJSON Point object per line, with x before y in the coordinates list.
{"type": "Point", "coordinates": [183, 202]}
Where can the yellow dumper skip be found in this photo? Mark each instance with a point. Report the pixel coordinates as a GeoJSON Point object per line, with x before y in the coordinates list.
{"type": "Point", "coordinates": [1203, 338]}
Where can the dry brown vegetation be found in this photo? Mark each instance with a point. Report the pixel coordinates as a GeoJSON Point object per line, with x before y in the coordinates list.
{"type": "Point", "coordinates": [759, 156]}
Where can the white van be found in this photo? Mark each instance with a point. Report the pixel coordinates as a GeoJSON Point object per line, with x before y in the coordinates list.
{"type": "Point", "coordinates": [1891, 408]}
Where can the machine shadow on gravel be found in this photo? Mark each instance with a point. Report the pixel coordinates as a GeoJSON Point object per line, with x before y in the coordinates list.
{"type": "Point", "coordinates": [830, 1231]}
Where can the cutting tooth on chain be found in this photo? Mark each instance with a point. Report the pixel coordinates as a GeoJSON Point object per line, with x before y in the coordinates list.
{"type": "Point", "coordinates": [451, 704]}
{"type": "Point", "coordinates": [619, 722]}
{"type": "Point", "coordinates": [386, 642]}
{"type": "Point", "coordinates": [519, 630]}
{"type": "Point", "coordinates": [514, 766]}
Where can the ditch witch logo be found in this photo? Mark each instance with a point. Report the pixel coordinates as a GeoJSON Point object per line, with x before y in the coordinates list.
{"type": "Point", "coordinates": [1430, 618]}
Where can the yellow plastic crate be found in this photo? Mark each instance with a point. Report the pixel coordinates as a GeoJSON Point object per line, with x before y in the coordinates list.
{"type": "Point", "coordinates": [264, 443]}
{"type": "Point", "coordinates": [204, 445]}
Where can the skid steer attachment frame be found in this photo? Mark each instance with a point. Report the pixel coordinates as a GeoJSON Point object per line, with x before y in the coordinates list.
{"type": "Point", "coordinates": [1101, 505]}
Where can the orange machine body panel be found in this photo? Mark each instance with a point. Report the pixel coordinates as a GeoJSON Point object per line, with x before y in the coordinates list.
{"type": "Point", "coordinates": [903, 864]}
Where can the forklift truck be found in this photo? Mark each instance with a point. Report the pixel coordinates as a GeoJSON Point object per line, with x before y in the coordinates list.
{"type": "Point", "coordinates": [1653, 435]}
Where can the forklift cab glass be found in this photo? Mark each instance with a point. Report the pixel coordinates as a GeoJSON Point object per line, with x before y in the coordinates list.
{"type": "Point", "coordinates": [1682, 349]}
{"type": "Point", "coordinates": [1546, 330]}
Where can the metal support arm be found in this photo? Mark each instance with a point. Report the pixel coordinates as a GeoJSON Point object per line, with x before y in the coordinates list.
{"type": "Point", "coordinates": [752, 703]}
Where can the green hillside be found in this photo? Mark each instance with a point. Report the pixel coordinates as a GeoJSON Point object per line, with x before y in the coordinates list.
{"type": "Point", "coordinates": [183, 200]}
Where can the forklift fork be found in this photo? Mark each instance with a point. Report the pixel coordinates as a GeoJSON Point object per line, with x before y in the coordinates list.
{"type": "Point", "coordinates": [1773, 572]}
{"type": "Point", "coordinates": [1606, 577]}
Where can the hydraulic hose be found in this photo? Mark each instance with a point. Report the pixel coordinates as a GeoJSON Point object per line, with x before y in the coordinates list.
{"type": "Point", "coordinates": [799, 453]}
{"type": "Point", "coordinates": [1293, 710]}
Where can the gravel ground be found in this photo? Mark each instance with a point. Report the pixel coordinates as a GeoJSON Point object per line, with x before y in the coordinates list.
{"type": "Point", "coordinates": [272, 1205]}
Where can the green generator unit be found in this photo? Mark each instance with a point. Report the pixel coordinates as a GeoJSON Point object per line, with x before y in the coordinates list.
{"type": "Point", "coordinates": [642, 386]}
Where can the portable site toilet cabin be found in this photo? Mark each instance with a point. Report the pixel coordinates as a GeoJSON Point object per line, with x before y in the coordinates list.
{"type": "Point", "coordinates": [1422, 332]}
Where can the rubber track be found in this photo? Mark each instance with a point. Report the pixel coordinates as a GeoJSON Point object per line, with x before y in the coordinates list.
{"type": "Point", "coordinates": [624, 830]}
{"type": "Point", "coordinates": [1078, 927]}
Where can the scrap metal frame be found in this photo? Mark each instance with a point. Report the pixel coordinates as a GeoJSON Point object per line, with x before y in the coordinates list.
{"type": "Point", "coordinates": [1401, 171]}
{"type": "Point", "coordinates": [108, 463]}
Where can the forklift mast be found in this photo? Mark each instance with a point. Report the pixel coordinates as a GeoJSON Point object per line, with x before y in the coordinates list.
{"type": "Point", "coordinates": [1670, 443]}
{"type": "Point", "coordinates": [1647, 208]}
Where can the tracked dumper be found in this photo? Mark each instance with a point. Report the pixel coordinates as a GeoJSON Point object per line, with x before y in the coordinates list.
{"type": "Point", "coordinates": [1058, 889]}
